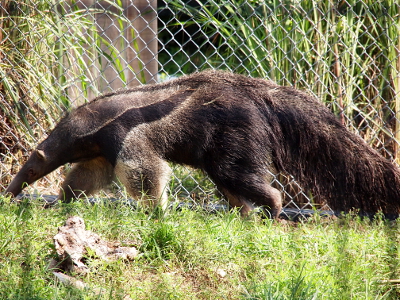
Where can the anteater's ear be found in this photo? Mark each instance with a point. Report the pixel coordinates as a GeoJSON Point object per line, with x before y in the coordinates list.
{"type": "Point", "coordinates": [40, 154]}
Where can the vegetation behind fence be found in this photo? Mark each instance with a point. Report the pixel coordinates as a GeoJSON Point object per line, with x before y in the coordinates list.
{"type": "Point", "coordinates": [56, 54]}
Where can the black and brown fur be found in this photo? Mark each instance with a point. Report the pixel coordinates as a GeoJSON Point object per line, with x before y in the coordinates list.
{"type": "Point", "coordinates": [237, 129]}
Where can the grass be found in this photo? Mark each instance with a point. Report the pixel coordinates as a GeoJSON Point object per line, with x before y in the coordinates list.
{"type": "Point", "coordinates": [191, 254]}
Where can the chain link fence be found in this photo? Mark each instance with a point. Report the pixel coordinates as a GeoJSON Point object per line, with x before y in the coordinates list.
{"type": "Point", "coordinates": [55, 55]}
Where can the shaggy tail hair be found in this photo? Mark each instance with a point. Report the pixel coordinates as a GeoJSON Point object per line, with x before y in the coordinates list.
{"type": "Point", "coordinates": [337, 165]}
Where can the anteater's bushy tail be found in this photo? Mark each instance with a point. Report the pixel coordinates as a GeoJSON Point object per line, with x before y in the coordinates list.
{"type": "Point", "coordinates": [326, 158]}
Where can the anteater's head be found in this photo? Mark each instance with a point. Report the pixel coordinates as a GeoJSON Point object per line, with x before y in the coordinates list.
{"type": "Point", "coordinates": [63, 145]}
{"type": "Point", "coordinates": [36, 167]}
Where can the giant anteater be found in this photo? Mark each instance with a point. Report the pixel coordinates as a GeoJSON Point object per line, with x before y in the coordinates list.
{"type": "Point", "coordinates": [237, 129]}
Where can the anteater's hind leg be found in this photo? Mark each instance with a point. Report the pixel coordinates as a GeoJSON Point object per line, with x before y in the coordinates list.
{"type": "Point", "coordinates": [248, 191]}
{"type": "Point", "coordinates": [145, 178]}
{"type": "Point", "coordinates": [86, 178]}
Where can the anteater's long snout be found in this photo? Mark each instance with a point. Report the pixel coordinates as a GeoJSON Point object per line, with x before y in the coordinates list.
{"type": "Point", "coordinates": [17, 184]}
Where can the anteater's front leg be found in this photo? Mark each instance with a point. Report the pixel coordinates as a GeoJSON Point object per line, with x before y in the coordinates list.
{"type": "Point", "coordinates": [145, 178]}
{"type": "Point", "coordinates": [86, 178]}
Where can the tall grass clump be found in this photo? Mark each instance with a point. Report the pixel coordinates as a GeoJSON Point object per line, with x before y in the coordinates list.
{"type": "Point", "coordinates": [50, 54]}
{"type": "Point", "coordinates": [346, 52]}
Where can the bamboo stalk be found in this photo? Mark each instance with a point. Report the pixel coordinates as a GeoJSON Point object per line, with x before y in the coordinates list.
{"type": "Point", "coordinates": [397, 98]}
{"type": "Point", "coordinates": [337, 71]}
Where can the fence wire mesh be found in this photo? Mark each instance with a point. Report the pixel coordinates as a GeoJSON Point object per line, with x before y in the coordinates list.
{"type": "Point", "coordinates": [55, 55]}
